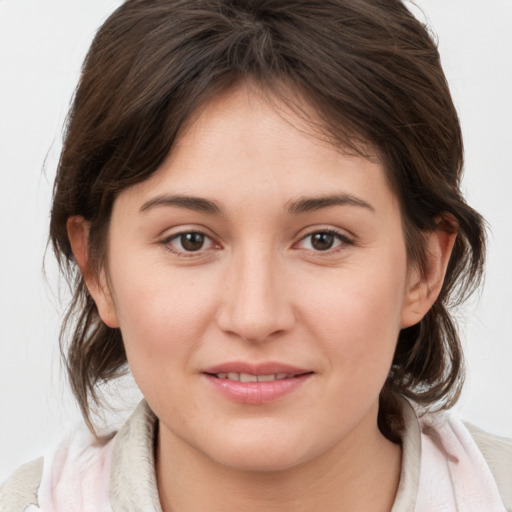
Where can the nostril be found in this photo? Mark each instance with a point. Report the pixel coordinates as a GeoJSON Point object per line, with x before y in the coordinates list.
{"type": "Point", "coordinates": [255, 306]}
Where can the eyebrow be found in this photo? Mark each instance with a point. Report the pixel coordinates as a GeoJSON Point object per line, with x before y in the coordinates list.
{"type": "Point", "coordinates": [198, 204]}
{"type": "Point", "coordinates": [308, 204]}
{"type": "Point", "coordinates": [303, 205]}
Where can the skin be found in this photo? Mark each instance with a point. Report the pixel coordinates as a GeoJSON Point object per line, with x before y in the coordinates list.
{"type": "Point", "coordinates": [259, 290]}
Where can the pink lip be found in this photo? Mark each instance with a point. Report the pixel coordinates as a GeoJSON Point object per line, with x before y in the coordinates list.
{"type": "Point", "coordinates": [267, 368]}
{"type": "Point", "coordinates": [256, 392]}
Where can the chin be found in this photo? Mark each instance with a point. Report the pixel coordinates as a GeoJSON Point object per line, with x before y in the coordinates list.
{"type": "Point", "coordinates": [259, 453]}
{"type": "Point", "coordinates": [258, 460]}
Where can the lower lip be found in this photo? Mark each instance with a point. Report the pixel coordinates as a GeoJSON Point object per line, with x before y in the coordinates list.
{"type": "Point", "coordinates": [257, 392]}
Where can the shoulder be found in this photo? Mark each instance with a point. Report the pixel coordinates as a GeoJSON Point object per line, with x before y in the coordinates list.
{"type": "Point", "coordinates": [90, 475]}
{"type": "Point", "coordinates": [19, 491]}
{"type": "Point", "coordinates": [478, 464]}
{"type": "Point", "coordinates": [450, 465]}
{"type": "Point", "coordinates": [75, 473]}
{"type": "Point", "coordinates": [497, 452]}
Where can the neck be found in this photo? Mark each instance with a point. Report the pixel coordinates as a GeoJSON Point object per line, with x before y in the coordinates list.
{"type": "Point", "coordinates": [355, 476]}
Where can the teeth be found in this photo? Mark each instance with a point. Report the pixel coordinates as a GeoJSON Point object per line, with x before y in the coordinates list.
{"type": "Point", "coordinates": [266, 378]}
{"type": "Point", "coordinates": [247, 377]}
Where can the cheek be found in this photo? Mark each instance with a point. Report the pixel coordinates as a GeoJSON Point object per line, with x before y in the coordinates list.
{"type": "Point", "coordinates": [162, 315]}
{"type": "Point", "coordinates": [357, 313]}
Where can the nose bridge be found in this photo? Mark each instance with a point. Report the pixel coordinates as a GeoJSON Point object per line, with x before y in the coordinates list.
{"type": "Point", "coordinates": [255, 304]}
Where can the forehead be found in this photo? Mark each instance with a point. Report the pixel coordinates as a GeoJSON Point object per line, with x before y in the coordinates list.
{"type": "Point", "coordinates": [275, 105]}
{"type": "Point", "coordinates": [247, 140]}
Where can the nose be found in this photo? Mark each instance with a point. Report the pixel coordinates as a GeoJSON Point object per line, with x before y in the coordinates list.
{"type": "Point", "coordinates": [256, 305]}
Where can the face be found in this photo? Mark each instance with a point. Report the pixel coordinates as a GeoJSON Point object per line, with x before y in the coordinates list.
{"type": "Point", "coordinates": [260, 281]}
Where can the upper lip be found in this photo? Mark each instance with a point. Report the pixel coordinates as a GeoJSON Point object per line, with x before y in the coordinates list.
{"type": "Point", "coordinates": [266, 368]}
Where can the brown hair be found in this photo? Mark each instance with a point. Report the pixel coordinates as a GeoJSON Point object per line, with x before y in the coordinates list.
{"type": "Point", "coordinates": [372, 73]}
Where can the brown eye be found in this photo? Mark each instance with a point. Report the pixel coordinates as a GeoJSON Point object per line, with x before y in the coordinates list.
{"type": "Point", "coordinates": [322, 241]}
{"type": "Point", "coordinates": [188, 242]}
{"type": "Point", "coordinates": [192, 241]}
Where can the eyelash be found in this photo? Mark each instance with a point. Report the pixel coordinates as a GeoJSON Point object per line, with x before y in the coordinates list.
{"type": "Point", "coordinates": [342, 239]}
{"type": "Point", "coordinates": [167, 243]}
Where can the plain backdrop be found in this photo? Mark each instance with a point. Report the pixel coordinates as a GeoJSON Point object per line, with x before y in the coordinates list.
{"type": "Point", "coordinates": [42, 45]}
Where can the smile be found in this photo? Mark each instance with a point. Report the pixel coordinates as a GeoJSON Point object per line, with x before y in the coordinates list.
{"type": "Point", "coordinates": [256, 384]}
{"type": "Point", "coordinates": [247, 377]}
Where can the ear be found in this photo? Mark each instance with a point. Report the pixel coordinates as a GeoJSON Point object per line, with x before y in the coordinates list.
{"type": "Point", "coordinates": [78, 234]}
{"type": "Point", "coordinates": [424, 287]}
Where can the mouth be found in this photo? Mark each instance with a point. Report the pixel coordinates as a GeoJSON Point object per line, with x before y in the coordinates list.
{"type": "Point", "coordinates": [249, 377]}
{"type": "Point", "coordinates": [256, 384]}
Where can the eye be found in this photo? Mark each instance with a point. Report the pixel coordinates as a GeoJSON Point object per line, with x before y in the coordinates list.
{"type": "Point", "coordinates": [188, 242]}
{"type": "Point", "coordinates": [322, 241]}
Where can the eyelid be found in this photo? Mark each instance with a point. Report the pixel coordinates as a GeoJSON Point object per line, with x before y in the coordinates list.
{"type": "Point", "coordinates": [166, 240]}
{"type": "Point", "coordinates": [343, 238]}
{"type": "Point", "coordinates": [341, 235]}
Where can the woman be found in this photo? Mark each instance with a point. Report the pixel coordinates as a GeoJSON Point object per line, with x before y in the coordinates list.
{"type": "Point", "coordinates": [260, 204]}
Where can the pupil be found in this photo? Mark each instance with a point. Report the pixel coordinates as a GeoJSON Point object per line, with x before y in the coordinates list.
{"type": "Point", "coordinates": [322, 241]}
{"type": "Point", "coordinates": [192, 241]}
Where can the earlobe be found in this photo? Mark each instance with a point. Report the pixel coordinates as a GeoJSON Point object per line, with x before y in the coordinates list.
{"type": "Point", "coordinates": [78, 234]}
{"type": "Point", "coordinates": [424, 287]}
